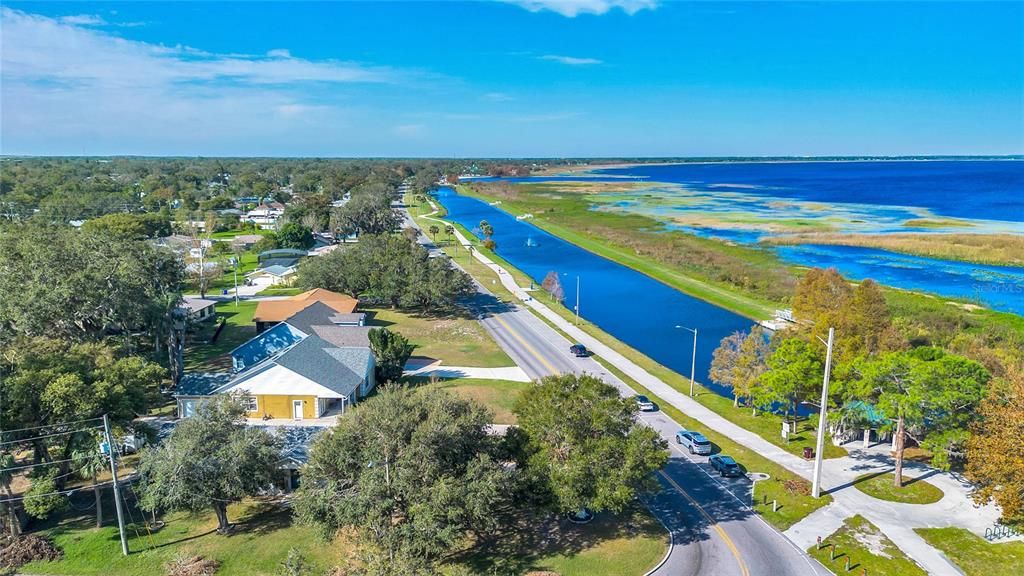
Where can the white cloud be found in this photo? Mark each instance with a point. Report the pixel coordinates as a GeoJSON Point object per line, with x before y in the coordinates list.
{"type": "Point", "coordinates": [497, 97]}
{"type": "Point", "coordinates": [279, 53]}
{"type": "Point", "coordinates": [571, 60]}
{"type": "Point", "coordinates": [573, 8]}
{"type": "Point", "coordinates": [82, 20]}
{"type": "Point", "coordinates": [68, 88]}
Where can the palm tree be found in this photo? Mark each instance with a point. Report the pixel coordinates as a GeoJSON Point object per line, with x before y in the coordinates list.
{"type": "Point", "coordinates": [90, 462]}
{"type": "Point", "coordinates": [449, 230]}
{"type": "Point", "coordinates": [433, 232]}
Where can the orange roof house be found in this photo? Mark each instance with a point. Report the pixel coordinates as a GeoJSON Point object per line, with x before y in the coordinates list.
{"type": "Point", "coordinates": [270, 312]}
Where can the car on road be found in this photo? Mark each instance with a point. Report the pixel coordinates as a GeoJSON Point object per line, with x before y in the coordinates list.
{"type": "Point", "coordinates": [725, 465]}
{"type": "Point", "coordinates": [644, 403]}
{"type": "Point", "coordinates": [579, 350]}
{"type": "Point", "coordinates": [695, 442]}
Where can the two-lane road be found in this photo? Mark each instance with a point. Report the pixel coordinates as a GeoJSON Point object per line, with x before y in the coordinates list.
{"type": "Point", "coordinates": [714, 531]}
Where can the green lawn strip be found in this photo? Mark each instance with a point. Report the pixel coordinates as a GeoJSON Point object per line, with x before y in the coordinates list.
{"type": "Point", "coordinates": [867, 548]}
{"type": "Point", "coordinates": [790, 490]}
{"type": "Point", "coordinates": [914, 491]}
{"type": "Point", "coordinates": [499, 396]}
{"type": "Point", "coordinates": [279, 291]}
{"type": "Point", "coordinates": [626, 544]}
{"type": "Point", "coordinates": [261, 541]}
{"type": "Point", "coordinates": [707, 290]}
{"type": "Point", "coordinates": [238, 328]}
{"type": "Point", "coordinates": [230, 234]}
{"type": "Point", "coordinates": [974, 555]}
{"type": "Point", "coordinates": [456, 340]}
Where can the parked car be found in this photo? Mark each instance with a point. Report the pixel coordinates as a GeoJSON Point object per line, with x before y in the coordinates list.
{"type": "Point", "coordinates": [644, 403]}
{"type": "Point", "coordinates": [579, 350]}
{"type": "Point", "coordinates": [695, 442]}
{"type": "Point", "coordinates": [725, 465]}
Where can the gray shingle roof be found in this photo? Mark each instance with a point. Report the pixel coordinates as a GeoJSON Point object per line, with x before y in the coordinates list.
{"type": "Point", "coordinates": [344, 336]}
{"type": "Point", "coordinates": [342, 370]}
{"type": "Point", "coordinates": [316, 314]}
{"type": "Point", "coordinates": [201, 383]}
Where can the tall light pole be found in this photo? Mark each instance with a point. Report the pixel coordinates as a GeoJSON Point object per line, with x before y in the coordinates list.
{"type": "Point", "coordinates": [577, 300]}
{"type": "Point", "coordinates": [693, 361]}
{"type": "Point", "coordinates": [822, 419]}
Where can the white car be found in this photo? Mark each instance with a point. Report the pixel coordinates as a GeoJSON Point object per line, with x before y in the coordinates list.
{"type": "Point", "coordinates": [644, 403]}
{"type": "Point", "coordinates": [695, 442]}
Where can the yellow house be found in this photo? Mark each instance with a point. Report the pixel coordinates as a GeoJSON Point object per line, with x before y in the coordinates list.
{"type": "Point", "coordinates": [310, 379]}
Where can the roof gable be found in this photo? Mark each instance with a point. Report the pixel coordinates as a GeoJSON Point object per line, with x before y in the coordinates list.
{"type": "Point", "coordinates": [265, 345]}
{"type": "Point", "coordinates": [334, 368]}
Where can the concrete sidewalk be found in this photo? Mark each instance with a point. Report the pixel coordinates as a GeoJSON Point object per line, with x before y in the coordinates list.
{"type": "Point", "coordinates": [513, 373]}
{"type": "Point", "coordinates": [895, 520]}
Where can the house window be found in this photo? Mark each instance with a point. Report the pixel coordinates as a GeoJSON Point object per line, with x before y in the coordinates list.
{"type": "Point", "coordinates": [249, 403]}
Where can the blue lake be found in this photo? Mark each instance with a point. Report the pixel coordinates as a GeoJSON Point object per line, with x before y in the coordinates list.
{"type": "Point", "coordinates": [998, 287]}
{"type": "Point", "coordinates": [978, 190]}
{"type": "Point", "coordinates": [634, 308]}
{"type": "Point", "coordinates": [983, 189]}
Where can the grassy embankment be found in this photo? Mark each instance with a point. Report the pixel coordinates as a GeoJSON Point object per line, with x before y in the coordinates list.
{"type": "Point", "coordinates": [998, 249]}
{"type": "Point", "coordinates": [791, 491]}
{"type": "Point", "coordinates": [867, 548]}
{"type": "Point", "coordinates": [914, 491]}
{"type": "Point", "coordinates": [974, 555]}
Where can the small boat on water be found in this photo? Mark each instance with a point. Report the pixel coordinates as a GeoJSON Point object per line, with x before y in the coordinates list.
{"type": "Point", "coordinates": [530, 242]}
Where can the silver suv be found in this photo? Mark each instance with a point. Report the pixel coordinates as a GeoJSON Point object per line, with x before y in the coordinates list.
{"type": "Point", "coordinates": [695, 442]}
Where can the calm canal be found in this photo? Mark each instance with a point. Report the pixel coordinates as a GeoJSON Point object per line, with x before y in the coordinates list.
{"type": "Point", "coordinates": [631, 306]}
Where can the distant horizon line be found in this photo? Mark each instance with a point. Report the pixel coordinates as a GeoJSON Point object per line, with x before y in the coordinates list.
{"type": "Point", "coordinates": [834, 157]}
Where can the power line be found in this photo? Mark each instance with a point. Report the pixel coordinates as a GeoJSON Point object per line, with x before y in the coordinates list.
{"type": "Point", "coordinates": [23, 440]}
{"type": "Point", "coordinates": [37, 464]}
{"type": "Point", "coordinates": [49, 425]}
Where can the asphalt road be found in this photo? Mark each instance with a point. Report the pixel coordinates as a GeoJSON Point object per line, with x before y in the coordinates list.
{"type": "Point", "coordinates": [714, 532]}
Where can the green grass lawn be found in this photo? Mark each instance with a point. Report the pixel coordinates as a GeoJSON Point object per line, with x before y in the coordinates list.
{"type": "Point", "coordinates": [974, 555]}
{"type": "Point", "coordinates": [792, 492]}
{"type": "Point", "coordinates": [497, 395]}
{"type": "Point", "coordinates": [238, 328]}
{"type": "Point", "coordinates": [279, 291]}
{"type": "Point", "coordinates": [265, 534]}
{"type": "Point", "coordinates": [867, 548]}
{"type": "Point", "coordinates": [627, 544]}
{"type": "Point", "coordinates": [880, 485]}
{"type": "Point", "coordinates": [455, 339]}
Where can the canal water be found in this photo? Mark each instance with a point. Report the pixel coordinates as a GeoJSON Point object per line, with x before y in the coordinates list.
{"type": "Point", "coordinates": [631, 306]}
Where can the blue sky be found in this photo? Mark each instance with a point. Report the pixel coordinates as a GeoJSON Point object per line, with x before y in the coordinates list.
{"type": "Point", "coordinates": [517, 78]}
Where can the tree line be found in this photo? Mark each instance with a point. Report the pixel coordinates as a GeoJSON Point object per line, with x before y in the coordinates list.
{"type": "Point", "coordinates": [918, 392]}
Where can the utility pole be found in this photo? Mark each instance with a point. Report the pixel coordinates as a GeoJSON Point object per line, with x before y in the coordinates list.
{"type": "Point", "coordinates": [822, 419]}
{"type": "Point", "coordinates": [117, 489]}
{"type": "Point", "coordinates": [577, 300]}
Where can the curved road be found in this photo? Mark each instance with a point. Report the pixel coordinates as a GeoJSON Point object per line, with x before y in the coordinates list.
{"type": "Point", "coordinates": [714, 531]}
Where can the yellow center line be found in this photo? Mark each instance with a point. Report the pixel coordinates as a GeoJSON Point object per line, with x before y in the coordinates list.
{"type": "Point", "coordinates": [714, 523]}
{"type": "Point", "coordinates": [526, 345]}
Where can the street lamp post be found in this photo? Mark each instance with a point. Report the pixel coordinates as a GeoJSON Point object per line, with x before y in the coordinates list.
{"type": "Point", "coordinates": [577, 300]}
{"type": "Point", "coordinates": [822, 419]}
{"type": "Point", "coordinates": [693, 360]}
